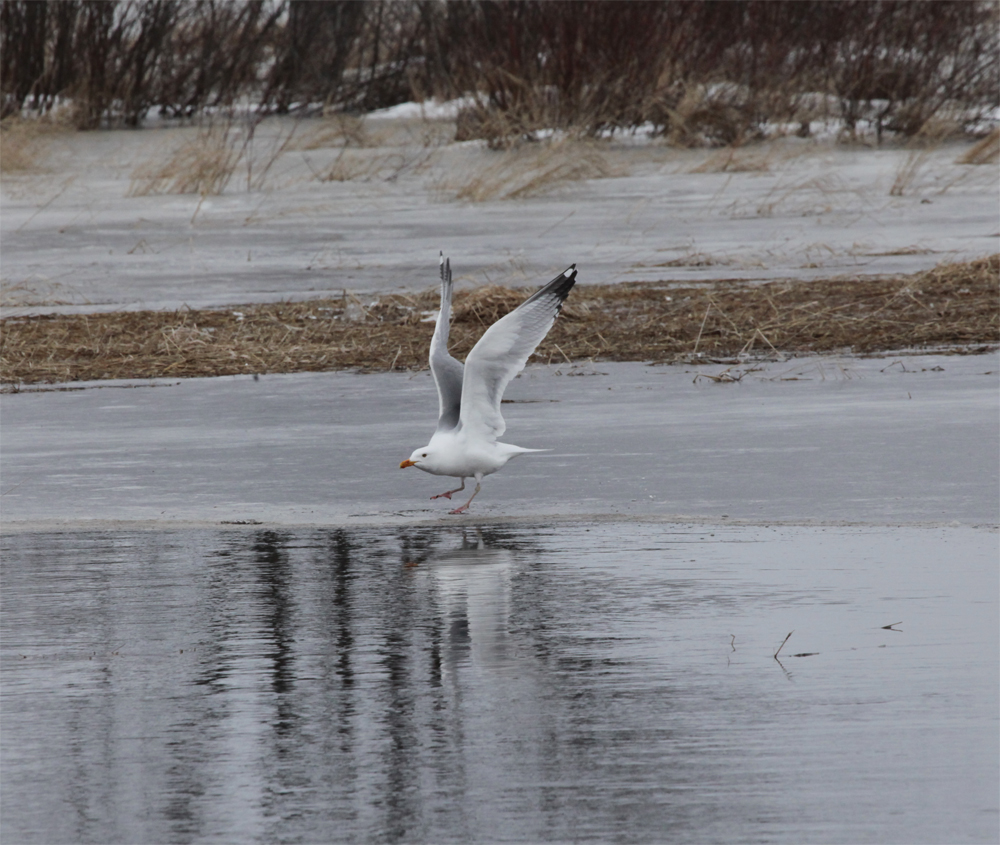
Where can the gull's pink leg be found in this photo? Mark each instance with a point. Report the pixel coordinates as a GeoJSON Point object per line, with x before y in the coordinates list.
{"type": "Point", "coordinates": [447, 493]}
{"type": "Point", "coordinates": [466, 505]}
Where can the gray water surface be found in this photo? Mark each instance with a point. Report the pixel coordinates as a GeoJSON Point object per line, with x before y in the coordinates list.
{"type": "Point", "coordinates": [570, 682]}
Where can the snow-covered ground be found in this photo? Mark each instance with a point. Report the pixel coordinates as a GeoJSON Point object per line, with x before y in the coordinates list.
{"type": "Point", "coordinates": [74, 239]}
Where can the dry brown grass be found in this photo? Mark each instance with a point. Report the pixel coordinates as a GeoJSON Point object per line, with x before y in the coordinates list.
{"type": "Point", "coordinates": [530, 170]}
{"type": "Point", "coordinates": [21, 147]}
{"type": "Point", "coordinates": [207, 163]}
{"type": "Point", "coordinates": [24, 142]}
{"type": "Point", "coordinates": [36, 292]}
{"type": "Point", "coordinates": [908, 171]}
{"type": "Point", "coordinates": [986, 151]}
{"type": "Point", "coordinates": [366, 166]}
{"type": "Point", "coordinates": [953, 305]}
{"type": "Point", "coordinates": [734, 160]}
{"type": "Point", "coordinates": [340, 130]}
{"type": "Point", "coordinates": [203, 166]}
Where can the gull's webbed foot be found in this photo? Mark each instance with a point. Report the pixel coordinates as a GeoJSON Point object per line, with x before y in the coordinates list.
{"type": "Point", "coordinates": [447, 493]}
{"type": "Point", "coordinates": [465, 507]}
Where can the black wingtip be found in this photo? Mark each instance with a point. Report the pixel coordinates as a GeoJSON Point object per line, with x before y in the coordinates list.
{"type": "Point", "coordinates": [562, 290]}
{"type": "Point", "coordinates": [559, 287]}
{"type": "Point", "coordinates": [568, 280]}
{"type": "Point", "coordinates": [570, 275]}
{"type": "Point", "coordinates": [445, 268]}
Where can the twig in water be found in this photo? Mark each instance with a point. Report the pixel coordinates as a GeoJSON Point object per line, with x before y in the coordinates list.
{"type": "Point", "coordinates": [48, 202]}
{"type": "Point", "coordinates": [890, 628]}
{"type": "Point", "coordinates": [558, 222]}
{"type": "Point", "coordinates": [724, 377]}
{"type": "Point", "coordinates": [197, 208]}
{"type": "Point", "coordinates": [780, 647]}
{"type": "Point", "coordinates": [19, 483]}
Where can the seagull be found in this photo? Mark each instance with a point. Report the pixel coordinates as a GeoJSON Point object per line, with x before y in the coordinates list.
{"type": "Point", "coordinates": [465, 444]}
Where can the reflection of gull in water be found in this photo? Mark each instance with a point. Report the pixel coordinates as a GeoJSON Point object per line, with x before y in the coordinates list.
{"type": "Point", "coordinates": [473, 583]}
{"type": "Point", "coordinates": [465, 443]}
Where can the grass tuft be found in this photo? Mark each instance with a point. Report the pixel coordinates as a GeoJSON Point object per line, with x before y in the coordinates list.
{"type": "Point", "coordinates": [24, 142]}
{"type": "Point", "coordinates": [203, 166]}
{"type": "Point", "coordinates": [340, 130]}
{"type": "Point", "coordinates": [531, 170]}
{"type": "Point", "coordinates": [733, 160]}
{"type": "Point", "coordinates": [986, 151]}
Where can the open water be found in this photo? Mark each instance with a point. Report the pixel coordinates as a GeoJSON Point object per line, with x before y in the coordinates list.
{"type": "Point", "coordinates": [611, 682]}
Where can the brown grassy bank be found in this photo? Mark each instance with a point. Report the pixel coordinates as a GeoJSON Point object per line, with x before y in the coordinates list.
{"type": "Point", "coordinates": [953, 305]}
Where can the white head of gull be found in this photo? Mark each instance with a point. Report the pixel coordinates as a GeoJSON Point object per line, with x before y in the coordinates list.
{"type": "Point", "coordinates": [465, 442]}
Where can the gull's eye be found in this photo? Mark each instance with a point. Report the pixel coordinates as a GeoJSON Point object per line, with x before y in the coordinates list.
{"type": "Point", "coordinates": [424, 455]}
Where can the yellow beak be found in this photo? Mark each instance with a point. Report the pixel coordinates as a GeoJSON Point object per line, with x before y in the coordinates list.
{"type": "Point", "coordinates": [406, 464]}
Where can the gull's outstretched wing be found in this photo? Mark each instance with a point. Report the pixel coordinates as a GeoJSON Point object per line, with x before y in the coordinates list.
{"type": "Point", "coordinates": [447, 370]}
{"type": "Point", "coordinates": [502, 353]}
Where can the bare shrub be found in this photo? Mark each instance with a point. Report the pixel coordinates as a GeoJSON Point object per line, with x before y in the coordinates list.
{"type": "Point", "coordinates": [116, 60]}
{"type": "Point", "coordinates": [346, 55]}
{"type": "Point", "coordinates": [900, 64]}
{"type": "Point", "coordinates": [215, 54]}
{"type": "Point", "coordinates": [712, 72]}
{"type": "Point", "coordinates": [313, 51]}
{"type": "Point", "coordinates": [541, 65]}
{"type": "Point", "coordinates": [697, 71]}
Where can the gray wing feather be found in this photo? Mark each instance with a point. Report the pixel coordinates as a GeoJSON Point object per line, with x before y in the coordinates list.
{"type": "Point", "coordinates": [502, 352]}
{"type": "Point", "coordinates": [447, 370]}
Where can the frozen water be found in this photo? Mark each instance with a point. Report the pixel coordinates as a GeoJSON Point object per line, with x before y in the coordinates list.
{"type": "Point", "coordinates": [886, 441]}
{"type": "Point", "coordinates": [73, 240]}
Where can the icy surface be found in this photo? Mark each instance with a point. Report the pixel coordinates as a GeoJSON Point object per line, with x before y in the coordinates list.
{"type": "Point", "coordinates": [887, 441]}
{"type": "Point", "coordinates": [73, 239]}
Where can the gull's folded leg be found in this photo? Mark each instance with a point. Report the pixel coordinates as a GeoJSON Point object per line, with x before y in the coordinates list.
{"type": "Point", "coordinates": [447, 493]}
{"type": "Point", "coordinates": [465, 507]}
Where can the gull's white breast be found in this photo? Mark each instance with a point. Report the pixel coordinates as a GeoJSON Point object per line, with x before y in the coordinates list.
{"type": "Point", "coordinates": [462, 456]}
